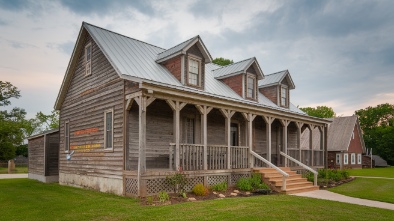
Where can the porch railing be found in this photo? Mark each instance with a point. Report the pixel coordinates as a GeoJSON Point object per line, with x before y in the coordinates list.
{"type": "Point", "coordinates": [269, 164]}
{"type": "Point", "coordinates": [303, 165]}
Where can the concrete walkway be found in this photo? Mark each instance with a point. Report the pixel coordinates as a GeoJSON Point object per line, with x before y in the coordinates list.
{"type": "Point", "coordinates": [327, 195]}
{"type": "Point", "coordinates": [13, 176]}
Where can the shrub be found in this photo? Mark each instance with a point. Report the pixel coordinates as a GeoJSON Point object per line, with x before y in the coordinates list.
{"type": "Point", "coordinates": [326, 175]}
{"type": "Point", "coordinates": [149, 200]}
{"type": "Point", "coordinates": [255, 180]}
{"type": "Point", "coordinates": [244, 184]}
{"type": "Point", "coordinates": [163, 196]}
{"type": "Point", "coordinates": [263, 186]}
{"type": "Point", "coordinates": [200, 190]}
{"type": "Point", "coordinates": [178, 182]}
{"type": "Point", "coordinates": [220, 186]}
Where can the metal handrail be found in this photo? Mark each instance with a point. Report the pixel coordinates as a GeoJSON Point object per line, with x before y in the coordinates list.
{"type": "Point", "coordinates": [315, 173]}
{"type": "Point", "coordinates": [285, 175]}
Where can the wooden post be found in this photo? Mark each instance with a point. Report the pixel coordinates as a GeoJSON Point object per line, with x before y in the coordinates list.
{"type": "Point", "coordinates": [227, 115]}
{"type": "Point", "coordinates": [250, 118]}
{"type": "Point", "coordinates": [204, 110]}
{"type": "Point", "coordinates": [285, 124]}
{"type": "Point", "coordinates": [268, 121]}
{"type": "Point", "coordinates": [325, 146]}
{"type": "Point", "coordinates": [311, 128]}
{"type": "Point", "coordinates": [299, 127]}
{"type": "Point", "coordinates": [176, 106]}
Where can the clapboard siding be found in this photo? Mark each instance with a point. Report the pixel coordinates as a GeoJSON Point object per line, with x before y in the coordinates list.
{"type": "Point", "coordinates": [87, 99]}
{"type": "Point", "coordinates": [52, 154]}
{"type": "Point", "coordinates": [216, 128]}
{"type": "Point", "coordinates": [36, 155]}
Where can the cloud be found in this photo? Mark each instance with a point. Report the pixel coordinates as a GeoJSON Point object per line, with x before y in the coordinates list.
{"type": "Point", "coordinates": [66, 47]}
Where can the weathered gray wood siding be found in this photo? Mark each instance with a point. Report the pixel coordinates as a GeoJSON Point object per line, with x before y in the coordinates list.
{"type": "Point", "coordinates": [52, 154]}
{"type": "Point", "coordinates": [88, 97]}
{"type": "Point", "coordinates": [36, 155]}
{"type": "Point", "coordinates": [216, 128]}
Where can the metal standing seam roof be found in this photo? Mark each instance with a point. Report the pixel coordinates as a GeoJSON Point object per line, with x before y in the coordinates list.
{"type": "Point", "coordinates": [175, 49]}
{"type": "Point", "coordinates": [233, 69]}
{"type": "Point", "coordinates": [134, 59]}
{"type": "Point", "coordinates": [275, 78]}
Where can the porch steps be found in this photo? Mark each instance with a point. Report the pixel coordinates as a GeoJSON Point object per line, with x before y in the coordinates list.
{"type": "Point", "coordinates": [294, 183]}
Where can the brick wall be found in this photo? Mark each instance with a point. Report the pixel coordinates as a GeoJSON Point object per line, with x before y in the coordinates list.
{"type": "Point", "coordinates": [235, 83]}
{"type": "Point", "coordinates": [355, 143]}
{"type": "Point", "coordinates": [174, 66]}
{"type": "Point", "coordinates": [271, 93]}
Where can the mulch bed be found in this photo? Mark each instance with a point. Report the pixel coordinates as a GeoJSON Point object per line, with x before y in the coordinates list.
{"type": "Point", "coordinates": [334, 184]}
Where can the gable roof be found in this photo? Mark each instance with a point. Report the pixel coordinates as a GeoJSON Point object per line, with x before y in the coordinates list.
{"type": "Point", "coordinates": [136, 60]}
{"type": "Point", "coordinates": [276, 79]}
{"type": "Point", "coordinates": [238, 68]}
{"type": "Point", "coordinates": [182, 48]}
{"type": "Point", "coordinates": [379, 161]}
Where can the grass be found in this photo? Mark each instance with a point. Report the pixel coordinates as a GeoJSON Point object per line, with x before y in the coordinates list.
{"type": "Point", "coordinates": [368, 188]}
{"type": "Point", "coordinates": [376, 172]}
{"type": "Point", "coordinates": [18, 169]}
{"type": "Point", "coordinates": [23, 199]}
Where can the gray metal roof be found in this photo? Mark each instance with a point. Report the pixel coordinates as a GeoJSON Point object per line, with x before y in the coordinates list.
{"type": "Point", "coordinates": [236, 68]}
{"type": "Point", "coordinates": [43, 133]}
{"type": "Point", "coordinates": [276, 78]}
{"type": "Point", "coordinates": [379, 161]}
{"type": "Point", "coordinates": [175, 49]}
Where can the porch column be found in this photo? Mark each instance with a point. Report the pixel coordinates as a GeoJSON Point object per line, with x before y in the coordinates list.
{"type": "Point", "coordinates": [268, 121]}
{"type": "Point", "coordinates": [285, 124]}
{"type": "Point", "coordinates": [204, 111]}
{"type": "Point", "coordinates": [299, 127]}
{"type": "Point", "coordinates": [325, 146]}
{"type": "Point", "coordinates": [227, 115]}
{"type": "Point", "coordinates": [311, 128]}
{"type": "Point", "coordinates": [321, 129]}
{"type": "Point", "coordinates": [176, 106]}
{"type": "Point", "coordinates": [249, 119]}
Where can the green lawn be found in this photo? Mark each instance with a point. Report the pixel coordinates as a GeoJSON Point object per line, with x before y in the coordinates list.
{"type": "Point", "coordinates": [23, 199]}
{"type": "Point", "coordinates": [368, 188]}
{"type": "Point", "coordinates": [21, 169]}
{"type": "Point", "coordinates": [377, 172]}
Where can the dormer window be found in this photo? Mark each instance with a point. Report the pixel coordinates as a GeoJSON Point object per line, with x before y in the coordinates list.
{"type": "Point", "coordinates": [284, 99]}
{"type": "Point", "coordinates": [88, 59]}
{"type": "Point", "coordinates": [194, 72]}
{"type": "Point", "coordinates": [251, 87]}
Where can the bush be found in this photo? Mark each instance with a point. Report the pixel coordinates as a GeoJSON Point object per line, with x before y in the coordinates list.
{"type": "Point", "coordinates": [200, 190]}
{"type": "Point", "coordinates": [220, 186]}
{"type": "Point", "coordinates": [163, 196]}
{"type": "Point", "coordinates": [244, 184]}
{"type": "Point", "coordinates": [178, 182]}
{"type": "Point", "coordinates": [326, 175]}
{"type": "Point", "coordinates": [252, 183]}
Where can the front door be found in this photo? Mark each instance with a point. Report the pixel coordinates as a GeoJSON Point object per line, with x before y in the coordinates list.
{"type": "Point", "coordinates": [234, 134]}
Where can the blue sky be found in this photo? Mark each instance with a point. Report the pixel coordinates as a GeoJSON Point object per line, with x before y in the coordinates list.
{"type": "Point", "coordinates": [339, 53]}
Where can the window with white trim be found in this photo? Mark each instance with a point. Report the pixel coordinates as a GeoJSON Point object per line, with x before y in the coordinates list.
{"type": "Point", "coordinates": [338, 159]}
{"type": "Point", "coordinates": [189, 130]}
{"type": "Point", "coordinates": [345, 158]}
{"type": "Point", "coordinates": [66, 136]}
{"type": "Point", "coordinates": [283, 96]}
{"type": "Point", "coordinates": [251, 87]}
{"type": "Point", "coordinates": [88, 59]}
{"type": "Point", "coordinates": [194, 72]}
{"type": "Point", "coordinates": [108, 127]}
{"type": "Point", "coordinates": [353, 158]}
{"type": "Point", "coordinates": [359, 158]}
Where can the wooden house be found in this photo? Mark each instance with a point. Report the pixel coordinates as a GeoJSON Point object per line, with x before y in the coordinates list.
{"type": "Point", "coordinates": [133, 113]}
{"type": "Point", "coordinates": [345, 144]}
{"type": "Point", "coordinates": [43, 150]}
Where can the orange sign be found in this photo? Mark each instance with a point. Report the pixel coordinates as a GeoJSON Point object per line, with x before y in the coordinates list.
{"type": "Point", "coordinates": [86, 146]}
{"type": "Point", "coordinates": [85, 131]}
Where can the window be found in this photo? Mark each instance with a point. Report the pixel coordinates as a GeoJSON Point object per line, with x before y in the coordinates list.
{"type": "Point", "coordinates": [109, 132]}
{"type": "Point", "coordinates": [234, 133]}
{"type": "Point", "coordinates": [189, 130]}
{"type": "Point", "coordinates": [251, 92]}
{"type": "Point", "coordinates": [359, 159]}
{"type": "Point", "coordinates": [352, 135]}
{"type": "Point", "coordinates": [338, 159]}
{"type": "Point", "coordinates": [345, 158]}
{"type": "Point", "coordinates": [353, 158]}
{"type": "Point", "coordinates": [88, 58]}
{"type": "Point", "coordinates": [283, 96]}
{"type": "Point", "coordinates": [66, 136]}
{"type": "Point", "coordinates": [194, 72]}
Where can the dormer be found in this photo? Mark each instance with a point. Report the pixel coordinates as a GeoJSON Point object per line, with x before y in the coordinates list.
{"type": "Point", "coordinates": [276, 87]}
{"type": "Point", "coordinates": [186, 62]}
{"type": "Point", "coordinates": [242, 77]}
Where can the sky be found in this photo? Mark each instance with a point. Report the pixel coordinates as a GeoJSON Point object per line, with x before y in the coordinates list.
{"type": "Point", "coordinates": [339, 53]}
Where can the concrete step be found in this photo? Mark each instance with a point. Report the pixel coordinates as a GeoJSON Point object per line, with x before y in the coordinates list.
{"type": "Point", "coordinates": [301, 189]}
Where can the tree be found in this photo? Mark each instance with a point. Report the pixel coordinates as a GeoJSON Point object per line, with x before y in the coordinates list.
{"type": "Point", "coordinates": [222, 61]}
{"type": "Point", "coordinates": [319, 111]}
{"type": "Point", "coordinates": [11, 122]}
{"type": "Point", "coordinates": [377, 124]}
{"type": "Point", "coordinates": [47, 122]}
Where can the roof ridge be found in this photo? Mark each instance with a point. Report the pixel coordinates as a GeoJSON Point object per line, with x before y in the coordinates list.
{"type": "Point", "coordinates": [234, 63]}
{"type": "Point", "coordinates": [277, 72]}
{"type": "Point", "coordinates": [179, 44]}
{"type": "Point", "coordinates": [122, 35]}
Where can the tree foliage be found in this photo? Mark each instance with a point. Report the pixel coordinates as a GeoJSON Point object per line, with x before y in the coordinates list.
{"type": "Point", "coordinates": [377, 124]}
{"type": "Point", "coordinates": [319, 111]}
{"type": "Point", "coordinates": [222, 61]}
{"type": "Point", "coordinates": [11, 122]}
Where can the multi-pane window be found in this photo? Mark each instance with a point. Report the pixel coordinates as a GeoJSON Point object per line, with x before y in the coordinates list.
{"type": "Point", "coordinates": [108, 138]}
{"type": "Point", "coordinates": [193, 72]}
{"type": "Point", "coordinates": [353, 158]}
{"type": "Point", "coordinates": [345, 158]}
{"type": "Point", "coordinates": [189, 130]}
{"type": "Point", "coordinates": [359, 159]}
{"type": "Point", "coordinates": [283, 96]}
{"type": "Point", "coordinates": [66, 136]}
{"type": "Point", "coordinates": [88, 59]}
{"type": "Point", "coordinates": [338, 159]}
{"type": "Point", "coordinates": [251, 87]}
